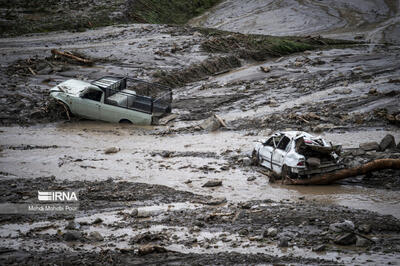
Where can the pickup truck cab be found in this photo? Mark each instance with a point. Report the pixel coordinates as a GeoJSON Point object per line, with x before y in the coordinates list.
{"type": "Point", "coordinates": [109, 99]}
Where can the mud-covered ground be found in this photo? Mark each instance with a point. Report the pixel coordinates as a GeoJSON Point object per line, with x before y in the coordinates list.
{"type": "Point", "coordinates": [152, 190]}
{"type": "Point", "coordinates": [117, 219]}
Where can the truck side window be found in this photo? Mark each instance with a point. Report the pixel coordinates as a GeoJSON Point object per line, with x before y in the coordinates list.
{"type": "Point", "coordinates": [94, 95]}
{"type": "Point", "coordinates": [269, 142]}
{"type": "Point", "coordinates": [283, 143]}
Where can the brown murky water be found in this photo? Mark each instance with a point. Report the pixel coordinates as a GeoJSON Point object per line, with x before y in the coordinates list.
{"type": "Point", "coordinates": [79, 155]}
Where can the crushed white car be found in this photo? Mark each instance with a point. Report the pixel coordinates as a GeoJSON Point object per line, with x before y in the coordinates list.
{"type": "Point", "coordinates": [297, 154]}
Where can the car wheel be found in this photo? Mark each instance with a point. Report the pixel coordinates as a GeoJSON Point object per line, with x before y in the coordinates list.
{"type": "Point", "coordinates": [286, 172]}
{"type": "Point", "coordinates": [255, 158]}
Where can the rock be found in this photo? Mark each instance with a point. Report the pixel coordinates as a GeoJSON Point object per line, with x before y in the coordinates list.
{"type": "Point", "coordinates": [365, 228]}
{"type": "Point", "coordinates": [96, 236]}
{"type": "Point", "coordinates": [265, 69]}
{"type": "Point", "coordinates": [71, 226]}
{"type": "Point", "coordinates": [247, 161]}
{"type": "Point", "coordinates": [213, 183]}
{"type": "Point", "coordinates": [372, 91]}
{"type": "Point", "coordinates": [72, 235]}
{"type": "Point", "coordinates": [322, 127]}
{"type": "Point", "coordinates": [270, 232]}
{"type": "Point", "coordinates": [343, 91]}
{"type": "Point", "coordinates": [147, 249]}
{"type": "Point", "coordinates": [388, 142]}
{"type": "Point", "coordinates": [369, 146]}
{"type": "Point", "coordinates": [362, 242]}
{"type": "Point", "coordinates": [251, 178]}
{"type": "Point", "coordinates": [358, 152]}
{"type": "Point", "coordinates": [216, 201]}
{"type": "Point", "coordinates": [319, 248]}
{"type": "Point", "coordinates": [340, 227]}
{"type": "Point", "coordinates": [111, 150]}
{"type": "Point", "coordinates": [345, 239]}
{"type": "Point", "coordinates": [283, 242]}
{"type": "Point", "coordinates": [188, 181]}
{"type": "Point", "coordinates": [212, 123]}
{"type": "Point", "coordinates": [98, 221]}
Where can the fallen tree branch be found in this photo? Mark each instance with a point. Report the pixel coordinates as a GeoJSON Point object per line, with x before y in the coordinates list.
{"type": "Point", "coordinates": [71, 56]}
{"type": "Point", "coordinates": [372, 166]}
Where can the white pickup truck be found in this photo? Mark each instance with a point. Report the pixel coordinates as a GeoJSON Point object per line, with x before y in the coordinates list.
{"type": "Point", "coordinates": [109, 99]}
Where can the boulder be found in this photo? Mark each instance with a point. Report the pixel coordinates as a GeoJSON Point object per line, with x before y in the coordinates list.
{"type": "Point", "coordinates": [212, 123]}
{"type": "Point", "coordinates": [216, 201]}
{"type": "Point", "coordinates": [96, 236]}
{"type": "Point", "coordinates": [388, 142]}
{"type": "Point", "coordinates": [111, 150]}
{"type": "Point", "coordinates": [345, 239]}
{"type": "Point", "coordinates": [251, 178]}
{"type": "Point", "coordinates": [362, 242]}
{"type": "Point", "coordinates": [72, 235]}
{"type": "Point", "coordinates": [247, 161]}
{"type": "Point", "coordinates": [370, 146]}
{"type": "Point", "coordinates": [270, 232]}
{"type": "Point", "coordinates": [319, 248]}
{"type": "Point", "coordinates": [283, 242]}
{"type": "Point", "coordinates": [213, 183]}
{"type": "Point", "coordinates": [340, 227]}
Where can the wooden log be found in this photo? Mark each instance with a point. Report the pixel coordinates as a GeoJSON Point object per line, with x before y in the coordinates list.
{"type": "Point", "coordinates": [71, 56]}
{"type": "Point", "coordinates": [326, 179]}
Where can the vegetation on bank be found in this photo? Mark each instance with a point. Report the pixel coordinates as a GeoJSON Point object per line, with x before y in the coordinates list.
{"type": "Point", "coordinates": [28, 16]}
{"type": "Point", "coordinates": [260, 47]}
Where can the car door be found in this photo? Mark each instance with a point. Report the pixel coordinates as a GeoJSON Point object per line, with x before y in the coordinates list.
{"type": "Point", "coordinates": [88, 104]}
{"type": "Point", "coordinates": [266, 151]}
{"type": "Point", "coordinates": [279, 154]}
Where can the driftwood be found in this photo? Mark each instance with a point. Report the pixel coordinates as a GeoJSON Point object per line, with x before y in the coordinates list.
{"type": "Point", "coordinates": [372, 166]}
{"type": "Point", "coordinates": [71, 56]}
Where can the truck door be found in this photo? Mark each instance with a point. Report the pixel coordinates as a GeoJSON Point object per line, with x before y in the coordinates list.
{"type": "Point", "coordinates": [88, 104]}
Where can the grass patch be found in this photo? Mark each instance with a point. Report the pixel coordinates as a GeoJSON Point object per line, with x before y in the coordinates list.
{"type": "Point", "coordinates": [261, 47]}
{"type": "Point", "coordinates": [167, 11]}
{"type": "Point", "coordinates": [196, 72]}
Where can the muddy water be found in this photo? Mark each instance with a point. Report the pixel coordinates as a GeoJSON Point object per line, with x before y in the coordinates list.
{"type": "Point", "coordinates": [376, 20]}
{"type": "Point", "coordinates": [79, 155]}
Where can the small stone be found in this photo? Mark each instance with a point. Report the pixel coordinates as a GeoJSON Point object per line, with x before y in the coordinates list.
{"type": "Point", "coordinates": [362, 242]}
{"type": "Point", "coordinates": [251, 178]}
{"type": "Point", "coordinates": [340, 227]}
{"type": "Point", "coordinates": [369, 146]}
{"type": "Point", "coordinates": [283, 242]}
{"type": "Point", "coordinates": [388, 142]}
{"type": "Point", "coordinates": [216, 201]}
{"type": "Point", "coordinates": [188, 181]}
{"type": "Point", "coordinates": [365, 228]}
{"type": "Point", "coordinates": [247, 161]}
{"type": "Point", "coordinates": [213, 183]}
{"type": "Point", "coordinates": [111, 150]}
{"type": "Point", "coordinates": [358, 152]}
{"type": "Point", "coordinates": [343, 91]}
{"type": "Point", "coordinates": [271, 232]}
{"type": "Point", "coordinates": [345, 239]}
{"type": "Point", "coordinates": [71, 225]}
{"type": "Point", "coordinates": [96, 236]}
{"type": "Point", "coordinates": [319, 248]}
{"type": "Point", "coordinates": [98, 221]}
{"type": "Point", "coordinates": [72, 235]}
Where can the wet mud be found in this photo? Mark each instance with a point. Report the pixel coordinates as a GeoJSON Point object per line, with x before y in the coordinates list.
{"type": "Point", "coordinates": [180, 194]}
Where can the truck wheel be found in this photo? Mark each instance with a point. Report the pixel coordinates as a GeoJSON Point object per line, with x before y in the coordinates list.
{"type": "Point", "coordinates": [125, 121]}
